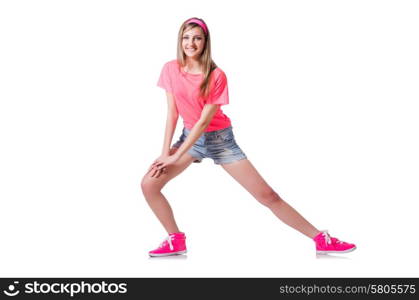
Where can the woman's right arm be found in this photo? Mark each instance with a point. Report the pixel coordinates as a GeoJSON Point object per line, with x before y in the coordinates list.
{"type": "Point", "coordinates": [171, 122]}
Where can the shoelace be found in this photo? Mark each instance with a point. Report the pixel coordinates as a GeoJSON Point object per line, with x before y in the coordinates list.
{"type": "Point", "coordinates": [169, 241]}
{"type": "Point", "coordinates": [328, 238]}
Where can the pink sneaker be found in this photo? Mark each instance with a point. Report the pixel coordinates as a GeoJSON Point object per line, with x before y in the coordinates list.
{"type": "Point", "coordinates": [327, 244]}
{"type": "Point", "coordinates": [172, 245]}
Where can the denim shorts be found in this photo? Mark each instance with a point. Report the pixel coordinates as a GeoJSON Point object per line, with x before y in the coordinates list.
{"type": "Point", "coordinates": [219, 145]}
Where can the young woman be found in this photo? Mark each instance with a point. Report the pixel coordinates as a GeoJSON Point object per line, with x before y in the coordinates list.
{"type": "Point", "coordinates": [195, 89]}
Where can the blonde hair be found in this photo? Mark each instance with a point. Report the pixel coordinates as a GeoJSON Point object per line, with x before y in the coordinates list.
{"type": "Point", "coordinates": [207, 64]}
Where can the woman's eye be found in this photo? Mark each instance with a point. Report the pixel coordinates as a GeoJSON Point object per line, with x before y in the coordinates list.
{"type": "Point", "coordinates": [198, 38]}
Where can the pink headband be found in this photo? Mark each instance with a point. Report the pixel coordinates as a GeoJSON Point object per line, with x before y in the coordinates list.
{"type": "Point", "coordinates": [199, 22]}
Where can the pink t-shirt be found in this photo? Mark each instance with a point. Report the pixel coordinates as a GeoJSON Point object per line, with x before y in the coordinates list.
{"type": "Point", "coordinates": [185, 88]}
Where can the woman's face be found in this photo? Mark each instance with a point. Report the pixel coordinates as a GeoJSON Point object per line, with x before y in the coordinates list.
{"type": "Point", "coordinates": [193, 42]}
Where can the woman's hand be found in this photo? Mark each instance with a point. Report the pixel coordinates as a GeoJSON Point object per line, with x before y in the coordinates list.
{"type": "Point", "coordinates": [162, 163]}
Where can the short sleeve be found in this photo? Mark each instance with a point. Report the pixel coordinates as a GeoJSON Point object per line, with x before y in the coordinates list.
{"type": "Point", "coordinates": [164, 80]}
{"type": "Point", "coordinates": [219, 92]}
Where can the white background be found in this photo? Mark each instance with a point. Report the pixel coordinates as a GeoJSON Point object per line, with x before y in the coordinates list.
{"type": "Point", "coordinates": [323, 100]}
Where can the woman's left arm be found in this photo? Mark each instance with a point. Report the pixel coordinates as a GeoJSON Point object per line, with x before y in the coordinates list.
{"type": "Point", "coordinates": [207, 114]}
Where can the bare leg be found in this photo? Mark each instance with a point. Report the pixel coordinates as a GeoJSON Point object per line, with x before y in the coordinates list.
{"type": "Point", "coordinates": [246, 174]}
{"type": "Point", "coordinates": [151, 187]}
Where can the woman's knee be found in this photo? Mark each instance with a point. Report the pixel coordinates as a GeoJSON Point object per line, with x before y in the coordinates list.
{"type": "Point", "coordinates": [269, 197]}
{"type": "Point", "coordinates": [150, 185]}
